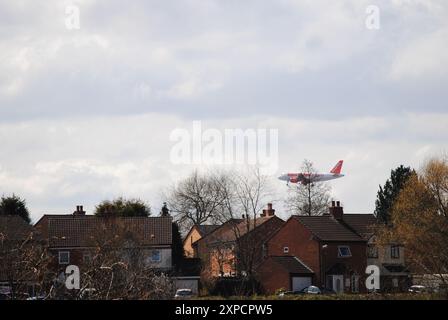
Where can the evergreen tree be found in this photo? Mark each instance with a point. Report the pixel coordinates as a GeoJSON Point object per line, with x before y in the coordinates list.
{"type": "Point", "coordinates": [14, 206]}
{"type": "Point", "coordinates": [388, 193]}
{"type": "Point", "coordinates": [178, 247]}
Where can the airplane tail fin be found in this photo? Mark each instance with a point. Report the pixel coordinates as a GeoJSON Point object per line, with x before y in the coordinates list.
{"type": "Point", "coordinates": [337, 168]}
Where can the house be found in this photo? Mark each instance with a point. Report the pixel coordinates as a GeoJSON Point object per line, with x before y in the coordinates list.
{"type": "Point", "coordinates": [390, 258]}
{"type": "Point", "coordinates": [236, 247]}
{"type": "Point", "coordinates": [73, 238]}
{"type": "Point", "coordinates": [326, 251]}
{"type": "Point", "coordinates": [196, 232]}
{"type": "Point", "coordinates": [20, 247]}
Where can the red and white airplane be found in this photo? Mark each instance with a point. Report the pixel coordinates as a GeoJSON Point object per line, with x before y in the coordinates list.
{"type": "Point", "coordinates": [305, 178]}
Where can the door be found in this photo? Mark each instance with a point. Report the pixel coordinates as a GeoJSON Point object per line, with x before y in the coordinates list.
{"type": "Point", "coordinates": [298, 283]}
{"type": "Point", "coordinates": [338, 283]}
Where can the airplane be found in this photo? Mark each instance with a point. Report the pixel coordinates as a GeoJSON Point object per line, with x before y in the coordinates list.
{"type": "Point", "coordinates": [306, 178]}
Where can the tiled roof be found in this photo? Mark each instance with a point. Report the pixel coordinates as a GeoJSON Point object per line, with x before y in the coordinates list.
{"type": "Point", "coordinates": [206, 229]}
{"type": "Point", "coordinates": [292, 264]}
{"type": "Point", "coordinates": [82, 231]}
{"type": "Point", "coordinates": [240, 227]}
{"type": "Point", "coordinates": [327, 228]}
{"type": "Point", "coordinates": [362, 224]}
{"type": "Point", "coordinates": [14, 228]}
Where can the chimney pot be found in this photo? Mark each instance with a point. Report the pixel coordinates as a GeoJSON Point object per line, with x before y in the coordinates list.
{"type": "Point", "coordinates": [336, 210]}
{"type": "Point", "coordinates": [79, 211]}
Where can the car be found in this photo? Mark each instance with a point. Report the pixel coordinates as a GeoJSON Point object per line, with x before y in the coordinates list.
{"type": "Point", "coordinates": [417, 289]}
{"type": "Point", "coordinates": [311, 290]}
{"type": "Point", "coordinates": [183, 294]}
{"type": "Point", "coordinates": [38, 297]}
{"type": "Point", "coordinates": [4, 296]}
{"type": "Point", "coordinates": [87, 294]}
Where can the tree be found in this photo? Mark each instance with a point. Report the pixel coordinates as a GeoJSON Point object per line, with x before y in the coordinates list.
{"type": "Point", "coordinates": [14, 206]}
{"type": "Point", "coordinates": [309, 198]}
{"type": "Point", "coordinates": [178, 247]}
{"type": "Point", "coordinates": [195, 200]}
{"type": "Point", "coordinates": [388, 194]}
{"type": "Point", "coordinates": [119, 268]}
{"type": "Point", "coordinates": [24, 259]}
{"type": "Point", "coordinates": [121, 207]}
{"type": "Point", "coordinates": [243, 194]}
{"type": "Point", "coordinates": [419, 220]}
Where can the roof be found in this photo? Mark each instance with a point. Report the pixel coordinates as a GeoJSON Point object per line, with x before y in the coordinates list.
{"type": "Point", "coordinates": [327, 228]}
{"type": "Point", "coordinates": [14, 228]}
{"type": "Point", "coordinates": [362, 224]}
{"type": "Point", "coordinates": [82, 231]}
{"type": "Point", "coordinates": [241, 227]}
{"type": "Point", "coordinates": [292, 264]}
{"type": "Point", "coordinates": [206, 229]}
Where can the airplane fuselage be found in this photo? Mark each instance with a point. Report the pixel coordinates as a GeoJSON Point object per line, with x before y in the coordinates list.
{"type": "Point", "coordinates": [306, 178]}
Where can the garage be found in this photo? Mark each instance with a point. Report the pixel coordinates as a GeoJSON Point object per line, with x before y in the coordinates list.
{"type": "Point", "coordinates": [298, 283]}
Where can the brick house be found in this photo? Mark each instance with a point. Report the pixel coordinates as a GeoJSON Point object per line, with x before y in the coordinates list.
{"type": "Point", "coordinates": [325, 251]}
{"type": "Point", "coordinates": [17, 240]}
{"type": "Point", "coordinates": [220, 250]}
{"type": "Point", "coordinates": [196, 232]}
{"type": "Point", "coordinates": [72, 238]}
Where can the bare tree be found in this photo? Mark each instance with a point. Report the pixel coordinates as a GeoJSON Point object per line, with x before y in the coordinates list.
{"type": "Point", "coordinates": [24, 265]}
{"type": "Point", "coordinates": [244, 196]}
{"type": "Point", "coordinates": [310, 198]}
{"type": "Point", "coordinates": [195, 200]}
{"type": "Point", "coordinates": [118, 268]}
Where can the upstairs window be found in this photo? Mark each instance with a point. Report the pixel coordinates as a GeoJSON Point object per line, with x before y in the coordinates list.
{"type": "Point", "coordinates": [87, 257]}
{"type": "Point", "coordinates": [372, 252]}
{"type": "Point", "coordinates": [344, 252]}
{"type": "Point", "coordinates": [395, 252]}
{"type": "Point", "coordinates": [64, 257]}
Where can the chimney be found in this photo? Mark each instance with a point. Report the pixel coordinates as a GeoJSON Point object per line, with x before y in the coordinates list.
{"type": "Point", "coordinates": [268, 212]}
{"type": "Point", "coordinates": [79, 211]}
{"type": "Point", "coordinates": [336, 210]}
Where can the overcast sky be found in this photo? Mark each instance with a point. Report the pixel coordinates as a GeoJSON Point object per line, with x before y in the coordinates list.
{"type": "Point", "coordinates": [86, 114]}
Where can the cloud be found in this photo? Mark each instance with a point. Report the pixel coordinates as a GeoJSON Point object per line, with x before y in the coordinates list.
{"type": "Point", "coordinates": [60, 163]}
{"type": "Point", "coordinates": [86, 114]}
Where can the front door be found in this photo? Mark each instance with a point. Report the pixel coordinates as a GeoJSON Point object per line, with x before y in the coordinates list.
{"type": "Point", "coordinates": [338, 283]}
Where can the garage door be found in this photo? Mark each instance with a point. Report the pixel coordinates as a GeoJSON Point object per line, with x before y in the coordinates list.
{"type": "Point", "coordinates": [298, 283]}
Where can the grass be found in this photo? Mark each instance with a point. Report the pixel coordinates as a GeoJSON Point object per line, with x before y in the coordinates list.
{"type": "Point", "coordinates": [377, 296]}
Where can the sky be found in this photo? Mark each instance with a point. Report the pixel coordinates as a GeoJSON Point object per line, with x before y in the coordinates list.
{"type": "Point", "coordinates": [87, 110]}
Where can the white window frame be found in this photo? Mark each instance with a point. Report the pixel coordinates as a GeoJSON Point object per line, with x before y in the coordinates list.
{"type": "Point", "coordinates": [285, 249]}
{"type": "Point", "coordinates": [397, 251]}
{"type": "Point", "coordinates": [371, 248]}
{"type": "Point", "coordinates": [68, 257]}
{"type": "Point", "coordinates": [344, 256]}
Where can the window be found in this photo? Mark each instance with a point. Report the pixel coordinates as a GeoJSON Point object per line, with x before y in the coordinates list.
{"type": "Point", "coordinates": [285, 249]}
{"type": "Point", "coordinates": [64, 257]}
{"type": "Point", "coordinates": [395, 252]}
{"type": "Point", "coordinates": [355, 283]}
{"type": "Point", "coordinates": [395, 282]}
{"type": "Point", "coordinates": [155, 256]}
{"type": "Point", "coordinates": [344, 252]}
{"type": "Point", "coordinates": [372, 252]}
{"type": "Point", "coordinates": [87, 257]}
